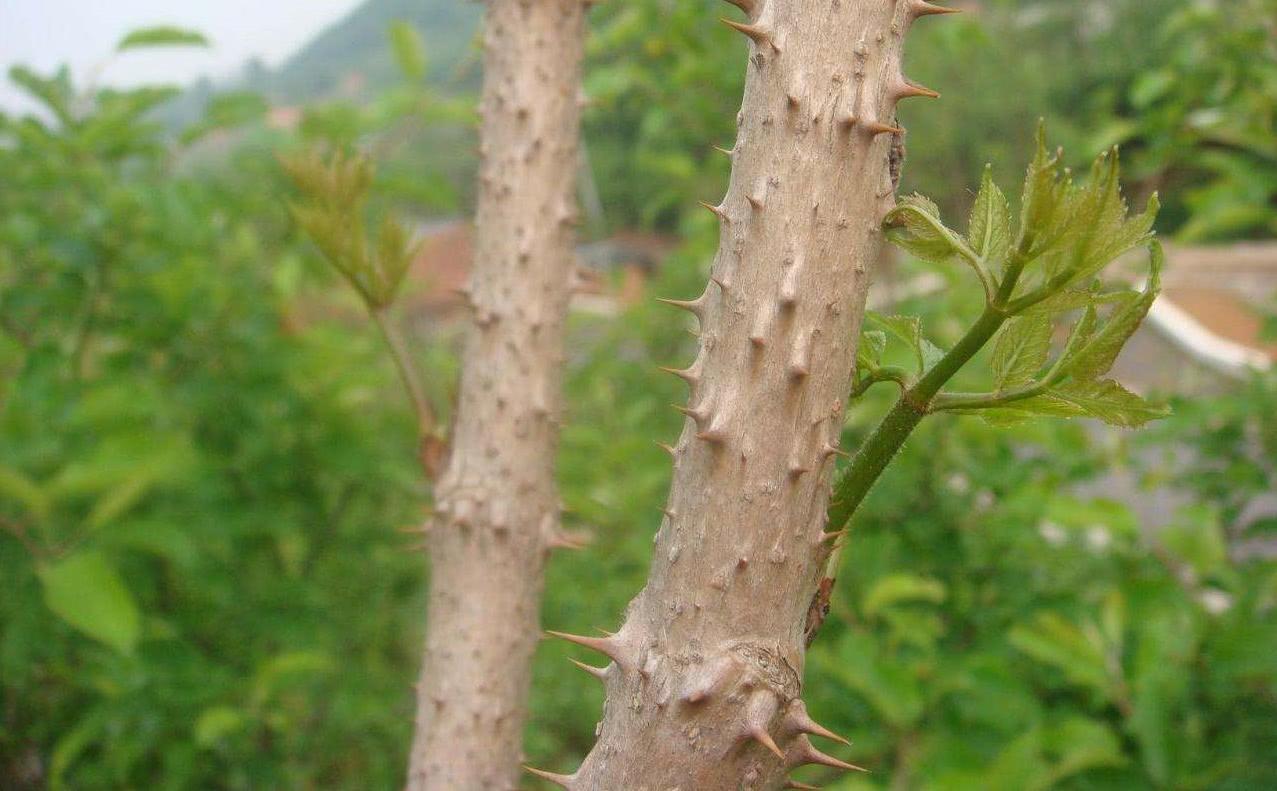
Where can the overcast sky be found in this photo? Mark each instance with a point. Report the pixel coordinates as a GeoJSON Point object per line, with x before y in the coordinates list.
{"type": "Point", "coordinates": [82, 33]}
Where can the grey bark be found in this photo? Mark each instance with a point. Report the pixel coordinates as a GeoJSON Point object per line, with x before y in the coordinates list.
{"type": "Point", "coordinates": [703, 690]}
{"type": "Point", "coordinates": [497, 508]}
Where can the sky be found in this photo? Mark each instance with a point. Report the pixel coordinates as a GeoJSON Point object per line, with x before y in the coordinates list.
{"type": "Point", "coordinates": [43, 34]}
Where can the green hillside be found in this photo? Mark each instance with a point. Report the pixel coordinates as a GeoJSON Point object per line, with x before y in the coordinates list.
{"type": "Point", "coordinates": [356, 44]}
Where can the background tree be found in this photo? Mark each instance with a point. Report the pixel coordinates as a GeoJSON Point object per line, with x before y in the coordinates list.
{"type": "Point", "coordinates": [496, 503]}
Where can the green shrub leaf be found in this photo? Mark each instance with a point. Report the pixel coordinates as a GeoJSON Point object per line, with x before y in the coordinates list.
{"type": "Point", "coordinates": [85, 590]}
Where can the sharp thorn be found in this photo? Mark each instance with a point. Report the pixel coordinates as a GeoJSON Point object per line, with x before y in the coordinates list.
{"type": "Point", "coordinates": [906, 89]}
{"type": "Point", "coordinates": [667, 448]}
{"type": "Point", "coordinates": [598, 672]}
{"type": "Point", "coordinates": [919, 8]}
{"type": "Point", "coordinates": [808, 754]}
{"type": "Point", "coordinates": [829, 450]}
{"type": "Point", "coordinates": [686, 374]}
{"type": "Point", "coordinates": [562, 781]}
{"type": "Point", "coordinates": [876, 128]}
{"type": "Point", "coordinates": [604, 645]}
{"type": "Point", "coordinates": [760, 735]}
{"type": "Point", "coordinates": [799, 720]}
{"type": "Point", "coordinates": [757, 33]}
{"type": "Point", "coordinates": [717, 210]}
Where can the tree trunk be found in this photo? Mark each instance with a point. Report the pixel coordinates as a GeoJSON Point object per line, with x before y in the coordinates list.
{"type": "Point", "coordinates": [703, 691]}
{"type": "Point", "coordinates": [497, 508]}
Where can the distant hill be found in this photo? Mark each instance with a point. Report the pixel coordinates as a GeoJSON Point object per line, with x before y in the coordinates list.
{"type": "Point", "coordinates": [357, 45]}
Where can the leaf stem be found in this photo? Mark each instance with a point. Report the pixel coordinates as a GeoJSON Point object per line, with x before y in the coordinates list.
{"type": "Point", "coordinates": [408, 375]}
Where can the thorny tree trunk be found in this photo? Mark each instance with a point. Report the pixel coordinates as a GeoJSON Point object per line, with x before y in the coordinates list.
{"type": "Point", "coordinates": [703, 692]}
{"type": "Point", "coordinates": [497, 509]}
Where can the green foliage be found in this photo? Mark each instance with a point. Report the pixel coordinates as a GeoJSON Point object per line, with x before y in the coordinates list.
{"type": "Point", "coordinates": [1067, 234]}
{"type": "Point", "coordinates": [201, 469]}
{"type": "Point", "coordinates": [334, 199]}
{"type": "Point", "coordinates": [410, 50]}
{"type": "Point", "coordinates": [86, 591]}
{"type": "Point", "coordinates": [162, 36]}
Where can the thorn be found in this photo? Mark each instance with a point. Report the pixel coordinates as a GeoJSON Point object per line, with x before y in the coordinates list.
{"type": "Point", "coordinates": [693, 306]}
{"type": "Point", "coordinates": [876, 128]}
{"type": "Point", "coordinates": [797, 471]}
{"type": "Point", "coordinates": [598, 672]}
{"type": "Point", "coordinates": [919, 8]}
{"type": "Point", "coordinates": [788, 295]}
{"type": "Point", "coordinates": [801, 786]}
{"type": "Point", "coordinates": [718, 211]}
{"type": "Point", "coordinates": [719, 281]}
{"type": "Point", "coordinates": [724, 151]}
{"type": "Point", "coordinates": [759, 711]}
{"type": "Point", "coordinates": [562, 781]}
{"type": "Point", "coordinates": [805, 753]}
{"type": "Point", "coordinates": [670, 512]}
{"type": "Point", "coordinates": [792, 100]}
{"type": "Point", "coordinates": [712, 680]}
{"type": "Point", "coordinates": [562, 539]}
{"type": "Point", "coordinates": [667, 448]}
{"type": "Point", "coordinates": [686, 374]}
{"type": "Point", "coordinates": [833, 536]}
{"type": "Point", "coordinates": [799, 720]}
{"type": "Point", "coordinates": [608, 646]}
{"type": "Point", "coordinates": [698, 415]}
{"type": "Point", "coordinates": [712, 435]}
{"type": "Point", "coordinates": [904, 89]}
{"type": "Point", "coordinates": [755, 202]}
{"type": "Point", "coordinates": [764, 738]}
{"type": "Point", "coordinates": [757, 33]}
{"type": "Point", "coordinates": [828, 450]}
{"type": "Point", "coordinates": [748, 6]}
{"type": "Point", "coordinates": [762, 325]}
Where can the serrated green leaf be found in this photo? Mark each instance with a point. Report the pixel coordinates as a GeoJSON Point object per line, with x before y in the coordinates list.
{"type": "Point", "coordinates": [1110, 402]}
{"type": "Point", "coordinates": [989, 229]}
{"type": "Point", "coordinates": [914, 225]}
{"type": "Point", "coordinates": [931, 354]}
{"type": "Point", "coordinates": [1040, 198]}
{"type": "Point", "coordinates": [410, 51]}
{"type": "Point", "coordinates": [869, 350]}
{"type": "Point", "coordinates": [85, 590]}
{"type": "Point", "coordinates": [162, 36]}
{"type": "Point", "coordinates": [1020, 351]}
{"type": "Point", "coordinates": [909, 330]}
{"type": "Point", "coordinates": [1017, 412]}
{"type": "Point", "coordinates": [1096, 356]}
{"type": "Point", "coordinates": [1061, 302]}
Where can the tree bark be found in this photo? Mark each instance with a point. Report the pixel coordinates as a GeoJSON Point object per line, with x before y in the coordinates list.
{"type": "Point", "coordinates": [703, 691]}
{"type": "Point", "coordinates": [497, 508]}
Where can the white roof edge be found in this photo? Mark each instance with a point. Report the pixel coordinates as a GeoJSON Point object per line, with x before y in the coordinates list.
{"type": "Point", "coordinates": [1215, 352]}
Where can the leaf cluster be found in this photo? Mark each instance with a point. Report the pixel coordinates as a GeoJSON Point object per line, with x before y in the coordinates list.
{"type": "Point", "coordinates": [334, 196]}
{"type": "Point", "coordinates": [1040, 277]}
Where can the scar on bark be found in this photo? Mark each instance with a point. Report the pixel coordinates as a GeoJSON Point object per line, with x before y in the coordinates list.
{"type": "Point", "coordinates": [818, 609]}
